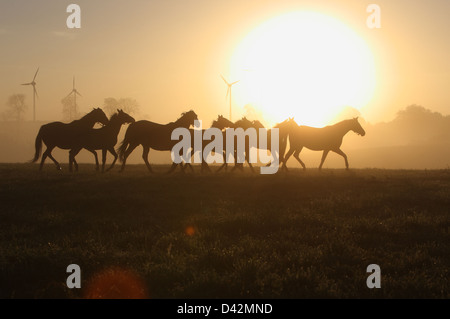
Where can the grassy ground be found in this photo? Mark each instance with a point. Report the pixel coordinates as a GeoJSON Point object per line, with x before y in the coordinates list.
{"type": "Point", "coordinates": [241, 235]}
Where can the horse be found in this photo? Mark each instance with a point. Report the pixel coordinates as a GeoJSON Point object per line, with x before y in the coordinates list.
{"type": "Point", "coordinates": [104, 139]}
{"type": "Point", "coordinates": [65, 135]}
{"type": "Point", "coordinates": [324, 139]}
{"type": "Point", "coordinates": [245, 124]}
{"type": "Point", "coordinates": [152, 135]}
{"type": "Point", "coordinates": [220, 123]}
{"type": "Point", "coordinates": [283, 133]}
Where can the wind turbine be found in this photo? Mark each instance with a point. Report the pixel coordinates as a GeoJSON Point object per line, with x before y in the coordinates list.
{"type": "Point", "coordinates": [75, 93]}
{"type": "Point", "coordinates": [229, 90]}
{"type": "Point", "coordinates": [33, 83]}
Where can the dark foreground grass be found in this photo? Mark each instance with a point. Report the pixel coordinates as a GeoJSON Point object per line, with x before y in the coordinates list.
{"type": "Point", "coordinates": [296, 235]}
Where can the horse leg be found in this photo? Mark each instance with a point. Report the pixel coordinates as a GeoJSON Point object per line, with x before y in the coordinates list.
{"type": "Point", "coordinates": [338, 151]}
{"type": "Point", "coordinates": [58, 167]}
{"type": "Point", "coordinates": [172, 168]}
{"type": "Point", "coordinates": [247, 158]}
{"type": "Point", "coordinates": [104, 153]}
{"type": "Point", "coordinates": [113, 152]}
{"type": "Point", "coordinates": [285, 159]}
{"type": "Point", "coordinates": [48, 153]}
{"type": "Point", "coordinates": [297, 157]}
{"type": "Point", "coordinates": [324, 156]}
{"type": "Point", "coordinates": [224, 163]}
{"type": "Point", "coordinates": [44, 156]}
{"type": "Point", "coordinates": [72, 161]}
{"type": "Point", "coordinates": [145, 151]}
{"type": "Point", "coordinates": [238, 165]}
{"type": "Point", "coordinates": [206, 167]}
{"type": "Point", "coordinates": [130, 149]}
{"type": "Point", "coordinates": [190, 167]}
{"type": "Point", "coordinates": [75, 164]}
{"type": "Point", "coordinates": [97, 164]}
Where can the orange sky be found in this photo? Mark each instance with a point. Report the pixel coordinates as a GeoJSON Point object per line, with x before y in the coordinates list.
{"type": "Point", "coordinates": [168, 55]}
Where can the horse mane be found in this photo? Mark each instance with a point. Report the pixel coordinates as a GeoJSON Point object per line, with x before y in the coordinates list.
{"type": "Point", "coordinates": [342, 122]}
{"type": "Point", "coordinates": [185, 113]}
{"type": "Point", "coordinates": [113, 116]}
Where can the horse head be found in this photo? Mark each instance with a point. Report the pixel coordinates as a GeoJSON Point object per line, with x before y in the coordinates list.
{"type": "Point", "coordinates": [187, 118]}
{"type": "Point", "coordinates": [287, 124]}
{"type": "Point", "coordinates": [98, 116]}
{"type": "Point", "coordinates": [243, 123]}
{"type": "Point", "coordinates": [356, 127]}
{"type": "Point", "coordinates": [124, 117]}
{"type": "Point", "coordinates": [257, 124]}
{"type": "Point", "coordinates": [222, 123]}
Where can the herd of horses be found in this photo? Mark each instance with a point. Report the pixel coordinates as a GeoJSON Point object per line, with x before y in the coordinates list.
{"type": "Point", "coordinates": [81, 134]}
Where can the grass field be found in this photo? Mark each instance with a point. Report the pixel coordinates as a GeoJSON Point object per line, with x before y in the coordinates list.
{"type": "Point", "coordinates": [237, 235]}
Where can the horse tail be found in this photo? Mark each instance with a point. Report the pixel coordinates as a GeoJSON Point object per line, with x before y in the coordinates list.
{"type": "Point", "coordinates": [122, 148]}
{"type": "Point", "coordinates": [38, 147]}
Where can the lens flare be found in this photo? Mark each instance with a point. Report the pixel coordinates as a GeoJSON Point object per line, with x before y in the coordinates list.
{"type": "Point", "coordinates": [116, 283]}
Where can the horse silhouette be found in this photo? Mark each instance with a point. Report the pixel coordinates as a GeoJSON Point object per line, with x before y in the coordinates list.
{"type": "Point", "coordinates": [324, 139]}
{"type": "Point", "coordinates": [283, 134]}
{"type": "Point", "coordinates": [152, 135]}
{"type": "Point", "coordinates": [104, 139]}
{"type": "Point", "coordinates": [220, 123]}
{"type": "Point", "coordinates": [243, 123]}
{"type": "Point", "coordinates": [65, 135]}
{"type": "Point", "coordinates": [282, 141]}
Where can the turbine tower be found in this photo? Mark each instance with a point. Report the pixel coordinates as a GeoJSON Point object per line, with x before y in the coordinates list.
{"type": "Point", "coordinates": [33, 84]}
{"type": "Point", "coordinates": [229, 90]}
{"type": "Point", "coordinates": [75, 93]}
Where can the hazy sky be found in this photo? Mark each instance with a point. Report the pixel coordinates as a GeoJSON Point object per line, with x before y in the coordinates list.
{"type": "Point", "coordinates": [169, 54]}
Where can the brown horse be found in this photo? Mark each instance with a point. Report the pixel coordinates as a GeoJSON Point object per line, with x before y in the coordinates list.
{"type": "Point", "coordinates": [324, 139]}
{"type": "Point", "coordinates": [152, 135]}
{"type": "Point", "coordinates": [65, 135]}
{"type": "Point", "coordinates": [104, 139]}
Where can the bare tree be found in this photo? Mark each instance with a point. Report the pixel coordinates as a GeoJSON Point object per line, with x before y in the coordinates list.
{"type": "Point", "coordinates": [70, 111]}
{"type": "Point", "coordinates": [16, 107]}
{"type": "Point", "coordinates": [128, 105]}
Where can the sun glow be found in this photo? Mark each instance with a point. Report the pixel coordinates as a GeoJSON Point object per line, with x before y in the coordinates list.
{"type": "Point", "coordinates": [305, 65]}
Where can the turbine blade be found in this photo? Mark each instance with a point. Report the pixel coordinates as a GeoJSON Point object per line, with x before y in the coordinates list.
{"type": "Point", "coordinates": [26, 84]}
{"type": "Point", "coordinates": [234, 82]}
{"type": "Point", "coordinates": [76, 92]}
{"type": "Point", "coordinates": [35, 74]}
{"type": "Point", "coordinates": [228, 92]}
{"type": "Point", "coordinates": [224, 79]}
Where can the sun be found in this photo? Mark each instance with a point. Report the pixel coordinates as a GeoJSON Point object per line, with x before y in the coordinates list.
{"type": "Point", "coordinates": [303, 64]}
